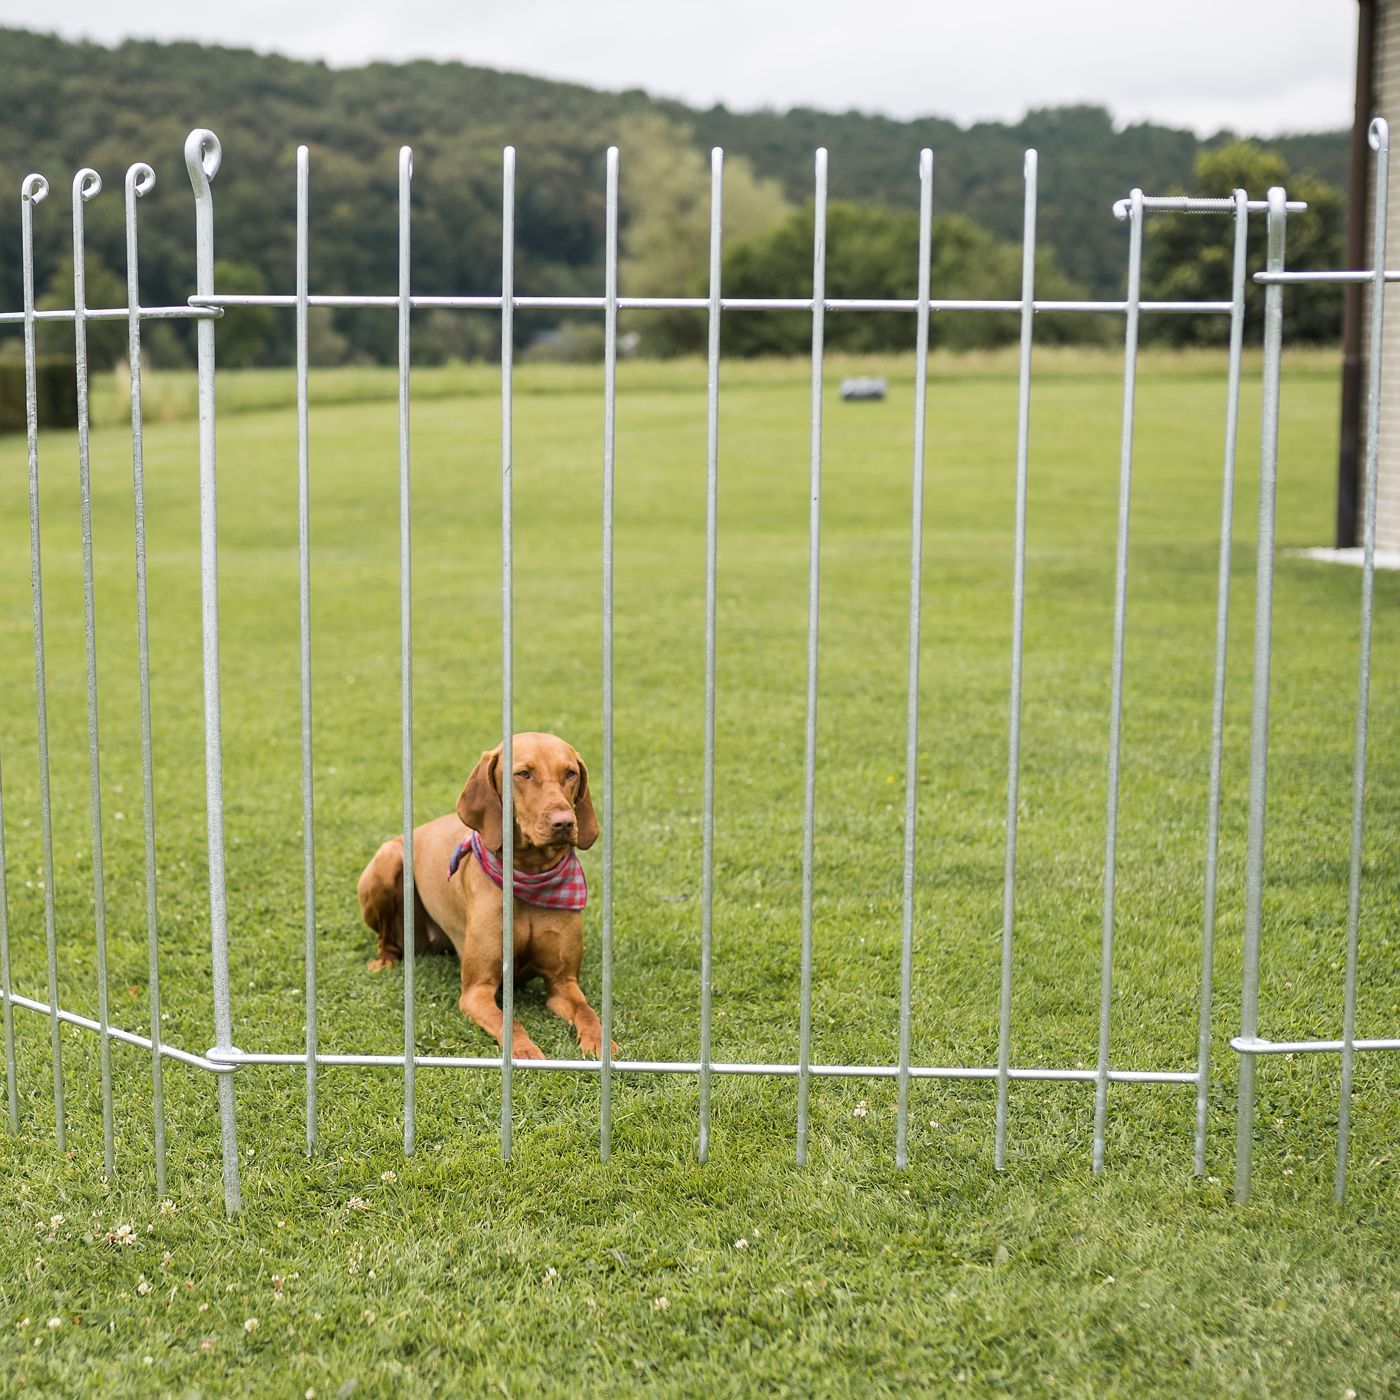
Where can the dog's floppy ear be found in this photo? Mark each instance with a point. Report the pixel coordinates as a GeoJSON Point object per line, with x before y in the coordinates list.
{"type": "Point", "coordinates": [584, 814]}
{"type": "Point", "coordinates": [479, 806]}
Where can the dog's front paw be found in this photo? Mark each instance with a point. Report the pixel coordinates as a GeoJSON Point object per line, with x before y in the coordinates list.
{"type": "Point", "coordinates": [591, 1043]}
{"type": "Point", "coordinates": [525, 1049]}
{"type": "Point", "coordinates": [379, 964]}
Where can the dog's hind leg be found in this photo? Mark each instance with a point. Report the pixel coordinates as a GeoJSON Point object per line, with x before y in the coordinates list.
{"type": "Point", "coordinates": [381, 902]}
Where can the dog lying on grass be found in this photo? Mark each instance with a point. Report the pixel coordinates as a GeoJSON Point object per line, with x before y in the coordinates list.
{"type": "Point", "coordinates": [457, 887]}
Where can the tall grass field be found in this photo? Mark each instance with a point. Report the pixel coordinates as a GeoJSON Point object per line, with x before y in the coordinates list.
{"type": "Point", "coordinates": [358, 1271]}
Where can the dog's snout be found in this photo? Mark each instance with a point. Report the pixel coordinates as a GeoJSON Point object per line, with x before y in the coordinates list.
{"type": "Point", "coordinates": [562, 820]}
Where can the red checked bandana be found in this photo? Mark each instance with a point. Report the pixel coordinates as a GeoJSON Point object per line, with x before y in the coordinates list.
{"type": "Point", "coordinates": [562, 886]}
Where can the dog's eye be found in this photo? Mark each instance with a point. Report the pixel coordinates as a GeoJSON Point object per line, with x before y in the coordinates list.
{"type": "Point", "coordinates": [570, 773]}
{"type": "Point", "coordinates": [523, 774]}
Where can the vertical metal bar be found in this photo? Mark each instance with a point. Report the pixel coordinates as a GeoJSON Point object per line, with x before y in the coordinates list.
{"type": "Point", "coordinates": [916, 578]}
{"type": "Point", "coordinates": [1259, 721]}
{"type": "Point", "coordinates": [809, 803]}
{"type": "Point", "coordinates": [707, 821]}
{"type": "Point", "coordinates": [1120, 608]}
{"type": "Point", "coordinates": [202, 157]}
{"type": "Point", "coordinates": [32, 192]}
{"type": "Point", "coordinates": [141, 178]}
{"type": "Point", "coordinates": [87, 184]}
{"type": "Point", "coordinates": [11, 1087]}
{"type": "Point", "coordinates": [1018, 616]}
{"type": "Point", "coordinates": [1379, 137]}
{"type": "Point", "coordinates": [410, 1035]}
{"type": "Point", "coordinates": [308, 791]}
{"type": "Point", "coordinates": [1222, 629]}
{"type": "Point", "coordinates": [609, 442]}
{"type": "Point", "coordinates": [507, 648]}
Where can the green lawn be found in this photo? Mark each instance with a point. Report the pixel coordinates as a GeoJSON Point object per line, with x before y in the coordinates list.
{"type": "Point", "coordinates": [450, 1272]}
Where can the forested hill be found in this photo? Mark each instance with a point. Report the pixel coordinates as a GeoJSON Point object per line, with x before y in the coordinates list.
{"type": "Point", "coordinates": [63, 105]}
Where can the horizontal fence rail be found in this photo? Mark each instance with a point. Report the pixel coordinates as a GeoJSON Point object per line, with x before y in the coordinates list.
{"type": "Point", "coordinates": [203, 156]}
{"type": "Point", "coordinates": [213, 303]}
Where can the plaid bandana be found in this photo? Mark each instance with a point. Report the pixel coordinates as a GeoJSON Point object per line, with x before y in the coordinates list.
{"type": "Point", "coordinates": [562, 886]}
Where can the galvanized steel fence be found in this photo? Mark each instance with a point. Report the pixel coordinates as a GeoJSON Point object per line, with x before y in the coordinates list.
{"type": "Point", "coordinates": [202, 156]}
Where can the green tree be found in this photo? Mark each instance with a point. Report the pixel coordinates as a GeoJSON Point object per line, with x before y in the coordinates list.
{"type": "Point", "coordinates": [324, 343]}
{"type": "Point", "coordinates": [444, 336]}
{"type": "Point", "coordinates": [874, 252]}
{"type": "Point", "coordinates": [166, 345]}
{"type": "Point", "coordinates": [665, 190]}
{"type": "Point", "coordinates": [71, 104]}
{"type": "Point", "coordinates": [1190, 257]}
{"type": "Point", "coordinates": [243, 330]}
{"type": "Point", "coordinates": [106, 340]}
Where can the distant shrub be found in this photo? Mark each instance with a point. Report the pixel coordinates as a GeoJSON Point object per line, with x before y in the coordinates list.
{"type": "Point", "coordinates": [56, 393]}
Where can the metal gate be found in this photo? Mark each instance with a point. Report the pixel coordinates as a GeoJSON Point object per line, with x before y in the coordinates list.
{"type": "Point", "coordinates": [223, 1060]}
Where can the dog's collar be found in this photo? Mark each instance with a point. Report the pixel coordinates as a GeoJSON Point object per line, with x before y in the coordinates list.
{"type": "Point", "coordinates": [562, 886]}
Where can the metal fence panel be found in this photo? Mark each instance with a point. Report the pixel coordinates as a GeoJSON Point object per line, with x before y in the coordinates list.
{"type": "Point", "coordinates": [203, 155]}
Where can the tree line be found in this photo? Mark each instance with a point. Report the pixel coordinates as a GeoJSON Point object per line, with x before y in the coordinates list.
{"type": "Point", "coordinates": [71, 104]}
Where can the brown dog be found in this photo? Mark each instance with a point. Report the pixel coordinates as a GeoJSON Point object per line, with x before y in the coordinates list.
{"type": "Point", "coordinates": [462, 910]}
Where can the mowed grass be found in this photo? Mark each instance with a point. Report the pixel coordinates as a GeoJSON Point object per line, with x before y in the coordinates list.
{"type": "Point", "coordinates": [357, 1271]}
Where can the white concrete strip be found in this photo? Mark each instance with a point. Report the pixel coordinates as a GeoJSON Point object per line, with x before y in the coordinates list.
{"type": "Point", "coordinates": [1385, 558]}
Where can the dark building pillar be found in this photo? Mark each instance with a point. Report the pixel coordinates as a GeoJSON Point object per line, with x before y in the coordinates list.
{"type": "Point", "coordinates": [1353, 303]}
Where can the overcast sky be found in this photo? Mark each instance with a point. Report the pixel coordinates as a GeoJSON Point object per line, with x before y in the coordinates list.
{"type": "Point", "coordinates": [1256, 66]}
